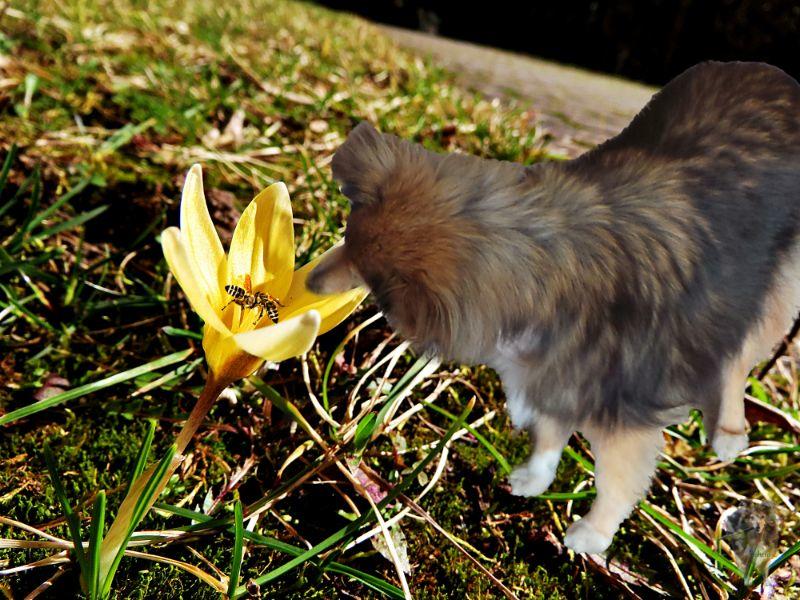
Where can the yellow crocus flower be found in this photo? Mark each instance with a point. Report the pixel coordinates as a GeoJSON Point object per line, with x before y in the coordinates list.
{"type": "Point", "coordinates": [236, 341]}
{"type": "Point", "coordinates": [260, 259]}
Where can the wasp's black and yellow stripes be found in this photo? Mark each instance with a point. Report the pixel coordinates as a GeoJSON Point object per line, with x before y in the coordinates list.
{"type": "Point", "coordinates": [262, 300]}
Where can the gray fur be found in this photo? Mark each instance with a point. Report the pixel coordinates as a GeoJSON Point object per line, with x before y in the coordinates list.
{"type": "Point", "coordinates": [611, 288]}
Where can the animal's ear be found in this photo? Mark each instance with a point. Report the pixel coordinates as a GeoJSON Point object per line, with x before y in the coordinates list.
{"type": "Point", "coordinates": [363, 162]}
{"type": "Point", "coordinates": [335, 273]}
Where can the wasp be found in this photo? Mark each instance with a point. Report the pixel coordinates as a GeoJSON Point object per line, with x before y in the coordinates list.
{"type": "Point", "coordinates": [244, 297]}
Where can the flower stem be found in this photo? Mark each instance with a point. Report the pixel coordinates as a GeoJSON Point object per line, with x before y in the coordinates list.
{"type": "Point", "coordinates": [210, 393]}
{"type": "Point", "coordinates": [143, 493]}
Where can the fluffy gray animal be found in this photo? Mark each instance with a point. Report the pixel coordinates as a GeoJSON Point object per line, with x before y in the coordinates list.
{"type": "Point", "coordinates": [612, 292]}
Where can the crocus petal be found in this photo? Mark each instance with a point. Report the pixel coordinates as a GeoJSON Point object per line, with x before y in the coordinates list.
{"type": "Point", "coordinates": [288, 338]}
{"type": "Point", "coordinates": [183, 266]}
{"type": "Point", "coordinates": [200, 237]}
{"type": "Point", "coordinates": [263, 243]}
{"type": "Point", "coordinates": [225, 358]}
{"type": "Point", "coordinates": [333, 308]}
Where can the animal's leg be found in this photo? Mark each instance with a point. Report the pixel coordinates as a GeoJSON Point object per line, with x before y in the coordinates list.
{"type": "Point", "coordinates": [730, 433]}
{"type": "Point", "coordinates": [535, 475]}
{"type": "Point", "coordinates": [624, 463]}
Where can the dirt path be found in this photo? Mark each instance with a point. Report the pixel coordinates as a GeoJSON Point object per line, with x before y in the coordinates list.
{"type": "Point", "coordinates": [580, 109]}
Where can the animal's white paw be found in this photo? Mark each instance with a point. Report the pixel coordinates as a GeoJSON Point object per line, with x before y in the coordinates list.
{"type": "Point", "coordinates": [583, 537]}
{"type": "Point", "coordinates": [729, 445]}
{"type": "Point", "coordinates": [535, 476]}
{"type": "Point", "coordinates": [526, 483]}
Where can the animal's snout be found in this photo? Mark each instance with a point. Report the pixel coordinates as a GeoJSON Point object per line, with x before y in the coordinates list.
{"type": "Point", "coordinates": [316, 279]}
{"type": "Point", "coordinates": [334, 273]}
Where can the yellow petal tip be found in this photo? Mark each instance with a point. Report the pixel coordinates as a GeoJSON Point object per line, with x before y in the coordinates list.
{"type": "Point", "coordinates": [292, 337]}
{"type": "Point", "coordinates": [279, 186]}
{"type": "Point", "coordinates": [170, 233]}
{"type": "Point", "coordinates": [312, 318]}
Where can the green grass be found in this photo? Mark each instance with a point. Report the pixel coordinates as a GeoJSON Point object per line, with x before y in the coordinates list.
{"type": "Point", "coordinates": [103, 107]}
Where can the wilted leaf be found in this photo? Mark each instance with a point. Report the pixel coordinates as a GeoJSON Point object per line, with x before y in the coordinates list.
{"type": "Point", "coordinates": [400, 545]}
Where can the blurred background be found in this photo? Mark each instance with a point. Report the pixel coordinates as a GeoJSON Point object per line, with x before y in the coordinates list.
{"type": "Point", "coordinates": [645, 41]}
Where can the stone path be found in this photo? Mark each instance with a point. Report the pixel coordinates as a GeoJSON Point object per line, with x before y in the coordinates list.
{"type": "Point", "coordinates": [580, 109]}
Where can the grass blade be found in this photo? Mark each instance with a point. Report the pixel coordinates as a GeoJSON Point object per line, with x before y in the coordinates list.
{"type": "Point", "coordinates": [207, 522]}
{"type": "Point", "coordinates": [50, 210]}
{"type": "Point", "coordinates": [69, 223]}
{"type": "Point", "coordinates": [95, 386]}
{"type": "Point", "coordinates": [566, 496]}
{"type": "Point", "coordinates": [36, 196]}
{"type": "Point", "coordinates": [129, 517]}
{"type": "Point", "coordinates": [785, 556]}
{"type": "Point", "coordinates": [776, 563]}
{"type": "Point", "coordinates": [347, 532]}
{"type": "Point", "coordinates": [7, 264]}
{"type": "Point", "coordinates": [144, 453]}
{"type": "Point", "coordinates": [18, 305]}
{"type": "Point", "coordinates": [690, 539]}
{"type": "Point", "coordinates": [95, 543]}
{"type": "Point", "coordinates": [326, 376]}
{"type": "Point", "coordinates": [73, 524]}
{"type": "Point", "coordinates": [403, 386]}
{"type": "Point", "coordinates": [16, 197]}
{"type": "Point", "coordinates": [364, 431]}
{"type": "Point", "coordinates": [282, 404]}
{"type": "Point", "coordinates": [5, 170]}
{"type": "Point", "coordinates": [501, 460]}
{"type": "Point", "coordinates": [123, 136]}
{"type": "Point", "coordinates": [238, 547]}
{"type": "Point", "coordinates": [578, 458]}
{"type": "Point", "coordinates": [176, 332]}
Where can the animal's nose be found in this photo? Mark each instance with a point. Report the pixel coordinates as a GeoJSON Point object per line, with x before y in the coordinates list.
{"type": "Point", "coordinates": [314, 281]}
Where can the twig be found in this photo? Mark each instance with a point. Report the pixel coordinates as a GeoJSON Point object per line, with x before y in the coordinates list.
{"type": "Point", "coordinates": [456, 542]}
{"type": "Point", "coordinates": [46, 585]}
{"type": "Point", "coordinates": [675, 566]}
{"type": "Point", "coordinates": [32, 529]}
{"type": "Point", "coordinates": [450, 537]}
{"type": "Point", "coordinates": [387, 536]}
{"type": "Point", "coordinates": [318, 408]}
